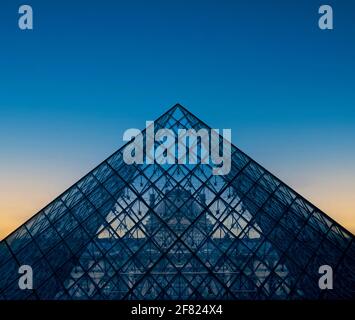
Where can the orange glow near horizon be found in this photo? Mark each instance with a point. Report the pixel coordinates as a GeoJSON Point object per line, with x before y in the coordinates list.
{"type": "Point", "coordinates": [17, 206]}
{"type": "Point", "coordinates": [25, 192]}
{"type": "Point", "coordinates": [334, 194]}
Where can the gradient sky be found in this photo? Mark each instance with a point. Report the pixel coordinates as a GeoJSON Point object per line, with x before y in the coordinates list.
{"type": "Point", "coordinates": [91, 69]}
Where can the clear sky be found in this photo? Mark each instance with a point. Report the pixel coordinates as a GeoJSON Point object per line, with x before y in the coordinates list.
{"type": "Point", "coordinates": [91, 69]}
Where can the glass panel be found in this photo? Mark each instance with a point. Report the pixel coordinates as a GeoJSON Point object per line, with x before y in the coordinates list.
{"type": "Point", "coordinates": [47, 239]}
{"type": "Point", "coordinates": [88, 184]}
{"type": "Point", "coordinates": [83, 210]}
{"type": "Point", "coordinates": [29, 254]}
{"type": "Point", "coordinates": [72, 197]}
{"type": "Point", "coordinates": [5, 253]}
{"type": "Point", "coordinates": [66, 224]}
{"type": "Point", "coordinates": [99, 197]}
{"type": "Point", "coordinates": [103, 172]}
{"type": "Point", "coordinates": [55, 210]}
{"type": "Point", "coordinates": [18, 239]}
{"type": "Point", "coordinates": [37, 224]}
{"type": "Point", "coordinates": [9, 273]}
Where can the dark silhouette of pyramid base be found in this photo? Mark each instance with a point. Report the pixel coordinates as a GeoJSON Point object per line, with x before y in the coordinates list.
{"type": "Point", "coordinates": [178, 232]}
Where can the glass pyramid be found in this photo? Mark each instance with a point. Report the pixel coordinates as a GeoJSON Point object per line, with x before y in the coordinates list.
{"type": "Point", "coordinates": [178, 232]}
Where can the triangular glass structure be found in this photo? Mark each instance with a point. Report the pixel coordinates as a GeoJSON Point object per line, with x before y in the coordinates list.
{"type": "Point", "coordinates": [177, 232]}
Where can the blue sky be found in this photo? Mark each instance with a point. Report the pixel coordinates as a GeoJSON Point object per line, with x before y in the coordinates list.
{"type": "Point", "coordinates": [91, 69]}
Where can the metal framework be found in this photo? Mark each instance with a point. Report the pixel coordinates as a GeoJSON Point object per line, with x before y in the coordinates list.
{"type": "Point", "coordinates": [178, 232]}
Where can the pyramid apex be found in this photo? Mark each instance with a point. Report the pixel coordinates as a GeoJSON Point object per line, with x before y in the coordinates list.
{"type": "Point", "coordinates": [178, 106]}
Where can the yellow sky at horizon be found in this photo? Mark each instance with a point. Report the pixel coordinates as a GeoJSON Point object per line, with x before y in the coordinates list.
{"type": "Point", "coordinates": [22, 198]}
